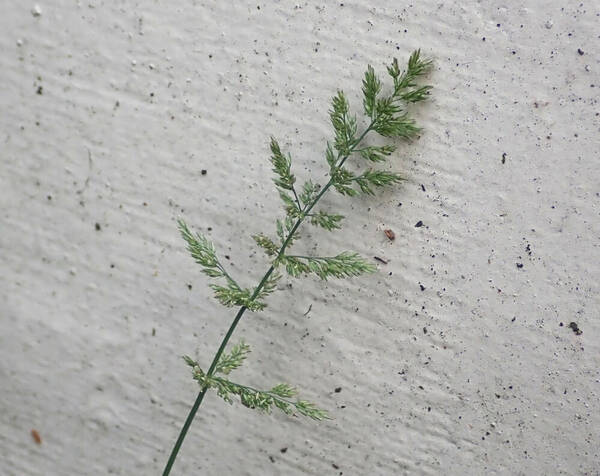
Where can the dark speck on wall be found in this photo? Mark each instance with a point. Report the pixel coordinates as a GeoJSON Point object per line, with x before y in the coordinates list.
{"type": "Point", "coordinates": [580, 51]}
{"type": "Point", "coordinates": [419, 224]}
{"type": "Point", "coordinates": [338, 389]}
{"type": "Point", "coordinates": [576, 329]}
{"type": "Point", "coordinates": [203, 172]}
{"type": "Point", "coordinates": [98, 227]}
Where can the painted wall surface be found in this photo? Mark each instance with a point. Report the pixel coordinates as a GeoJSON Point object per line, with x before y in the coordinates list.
{"type": "Point", "coordinates": [456, 357]}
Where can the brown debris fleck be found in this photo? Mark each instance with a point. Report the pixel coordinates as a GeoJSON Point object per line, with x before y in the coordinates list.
{"type": "Point", "coordinates": [36, 436]}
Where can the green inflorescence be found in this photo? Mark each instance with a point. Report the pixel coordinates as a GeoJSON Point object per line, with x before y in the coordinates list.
{"type": "Point", "coordinates": [387, 115]}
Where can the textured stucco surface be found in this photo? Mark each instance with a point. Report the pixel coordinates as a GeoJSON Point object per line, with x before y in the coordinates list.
{"type": "Point", "coordinates": [110, 112]}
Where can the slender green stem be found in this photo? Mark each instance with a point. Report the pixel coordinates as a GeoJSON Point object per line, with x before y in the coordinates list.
{"type": "Point", "coordinates": [183, 432]}
{"type": "Point", "coordinates": [241, 311]}
{"type": "Point", "coordinates": [200, 397]}
{"type": "Point", "coordinates": [296, 197]}
{"type": "Point", "coordinates": [227, 276]}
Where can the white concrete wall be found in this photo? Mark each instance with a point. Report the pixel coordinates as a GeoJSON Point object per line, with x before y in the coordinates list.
{"type": "Point", "coordinates": [479, 373]}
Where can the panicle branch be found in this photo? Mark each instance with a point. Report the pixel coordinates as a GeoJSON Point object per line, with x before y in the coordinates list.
{"type": "Point", "coordinates": [343, 265]}
{"type": "Point", "coordinates": [234, 359]}
{"type": "Point", "coordinates": [278, 396]}
{"type": "Point", "coordinates": [230, 294]}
